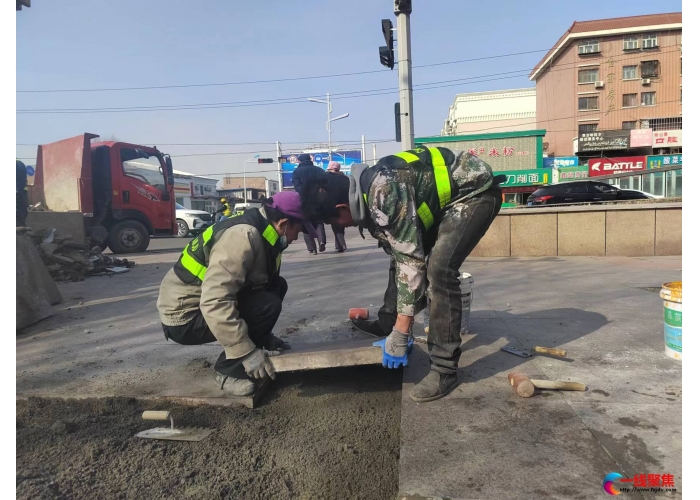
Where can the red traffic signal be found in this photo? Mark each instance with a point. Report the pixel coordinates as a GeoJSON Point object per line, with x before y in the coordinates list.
{"type": "Point", "coordinates": [265, 160]}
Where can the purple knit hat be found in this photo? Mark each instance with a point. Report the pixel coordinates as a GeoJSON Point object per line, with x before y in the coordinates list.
{"type": "Point", "coordinates": [289, 203]}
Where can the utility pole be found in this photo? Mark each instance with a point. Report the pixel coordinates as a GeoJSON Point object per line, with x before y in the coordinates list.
{"type": "Point", "coordinates": [329, 107]}
{"type": "Point", "coordinates": [374, 154]}
{"type": "Point", "coordinates": [364, 158]}
{"type": "Point", "coordinates": [402, 9]}
{"type": "Point", "coordinates": [279, 166]}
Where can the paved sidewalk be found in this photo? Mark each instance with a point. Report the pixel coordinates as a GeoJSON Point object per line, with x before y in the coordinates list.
{"type": "Point", "coordinates": [482, 441]}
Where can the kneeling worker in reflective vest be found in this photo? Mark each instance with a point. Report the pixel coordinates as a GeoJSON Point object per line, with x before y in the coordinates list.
{"type": "Point", "coordinates": [426, 202]}
{"type": "Point", "coordinates": [226, 286]}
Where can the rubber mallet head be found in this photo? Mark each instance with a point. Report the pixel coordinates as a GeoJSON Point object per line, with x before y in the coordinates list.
{"type": "Point", "coordinates": [521, 383]}
{"type": "Point", "coordinates": [358, 313]}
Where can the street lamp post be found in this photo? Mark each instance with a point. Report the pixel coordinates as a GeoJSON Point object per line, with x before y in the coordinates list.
{"type": "Point", "coordinates": [327, 102]}
{"type": "Point", "coordinates": [245, 190]}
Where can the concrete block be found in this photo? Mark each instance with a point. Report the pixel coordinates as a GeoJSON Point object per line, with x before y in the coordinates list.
{"type": "Point", "coordinates": [581, 233]}
{"type": "Point", "coordinates": [329, 355]}
{"type": "Point", "coordinates": [496, 241]}
{"type": "Point", "coordinates": [33, 302]}
{"type": "Point", "coordinates": [533, 235]}
{"type": "Point", "coordinates": [669, 232]}
{"type": "Point", "coordinates": [65, 223]}
{"type": "Point", "coordinates": [630, 233]}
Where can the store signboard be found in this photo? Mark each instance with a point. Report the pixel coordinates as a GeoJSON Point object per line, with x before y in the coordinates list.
{"type": "Point", "coordinates": [530, 177]}
{"type": "Point", "coordinates": [641, 138]}
{"type": "Point", "coordinates": [561, 161]}
{"type": "Point", "coordinates": [668, 139]}
{"type": "Point", "coordinates": [573, 173]}
{"type": "Point", "coordinates": [663, 161]}
{"type": "Point", "coordinates": [501, 154]}
{"type": "Point", "coordinates": [612, 166]}
{"type": "Point", "coordinates": [604, 140]}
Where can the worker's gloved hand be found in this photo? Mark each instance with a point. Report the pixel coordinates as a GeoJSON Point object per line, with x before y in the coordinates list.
{"type": "Point", "coordinates": [272, 343]}
{"type": "Point", "coordinates": [395, 349]}
{"type": "Point", "coordinates": [257, 365]}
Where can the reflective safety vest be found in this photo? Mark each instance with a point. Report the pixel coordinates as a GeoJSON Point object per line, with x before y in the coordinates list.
{"type": "Point", "coordinates": [432, 171]}
{"type": "Point", "coordinates": [191, 267]}
{"type": "Point", "coordinates": [227, 211]}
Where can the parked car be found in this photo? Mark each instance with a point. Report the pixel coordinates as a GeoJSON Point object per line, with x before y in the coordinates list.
{"type": "Point", "coordinates": [191, 221]}
{"type": "Point", "coordinates": [582, 192]}
{"type": "Point", "coordinates": [239, 208]}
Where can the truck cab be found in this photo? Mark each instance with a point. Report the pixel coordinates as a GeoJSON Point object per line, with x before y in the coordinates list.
{"type": "Point", "coordinates": [123, 190]}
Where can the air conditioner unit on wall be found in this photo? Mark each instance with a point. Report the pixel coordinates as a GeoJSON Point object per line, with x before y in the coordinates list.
{"type": "Point", "coordinates": [646, 81]}
{"type": "Point", "coordinates": [599, 84]}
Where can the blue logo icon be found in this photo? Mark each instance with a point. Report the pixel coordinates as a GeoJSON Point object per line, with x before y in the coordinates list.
{"type": "Point", "coordinates": [30, 170]}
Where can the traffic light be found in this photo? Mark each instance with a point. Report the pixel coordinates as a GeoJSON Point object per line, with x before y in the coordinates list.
{"type": "Point", "coordinates": [402, 7]}
{"type": "Point", "coordinates": [265, 160]}
{"type": "Point", "coordinates": [23, 3]}
{"type": "Point", "coordinates": [386, 53]}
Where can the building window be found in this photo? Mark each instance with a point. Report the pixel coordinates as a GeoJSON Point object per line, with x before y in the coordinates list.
{"type": "Point", "coordinates": [588, 75]}
{"type": "Point", "coordinates": [629, 72]}
{"type": "Point", "coordinates": [674, 183]}
{"type": "Point", "coordinates": [654, 183]}
{"type": "Point", "coordinates": [650, 69]}
{"type": "Point", "coordinates": [587, 103]}
{"type": "Point", "coordinates": [585, 128]}
{"type": "Point", "coordinates": [649, 41]}
{"type": "Point", "coordinates": [648, 98]}
{"type": "Point", "coordinates": [657, 124]}
{"type": "Point", "coordinates": [630, 43]}
{"type": "Point", "coordinates": [629, 125]}
{"type": "Point", "coordinates": [629, 100]}
{"type": "Point", "coordinates": [588, 47]}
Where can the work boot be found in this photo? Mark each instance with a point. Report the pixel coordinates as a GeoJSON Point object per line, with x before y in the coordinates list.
{"type": "Point", "coordinates": [370, 327]}
{"type": "Point", "coordinates": [235, 386]}
{"type": "Point", "coordinates": [321, 247]}
{"type": "Point", "coordinates": [434, 386]}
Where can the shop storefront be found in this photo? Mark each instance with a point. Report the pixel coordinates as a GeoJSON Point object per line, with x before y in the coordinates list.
{"type": "Point", "coordinates": [661, 175]}
{"type": "Point", "coordinates": [520, 184]}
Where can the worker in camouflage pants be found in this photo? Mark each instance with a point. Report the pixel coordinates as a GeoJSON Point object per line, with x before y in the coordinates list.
{"type": "Point", "coordinates": [424, 202]}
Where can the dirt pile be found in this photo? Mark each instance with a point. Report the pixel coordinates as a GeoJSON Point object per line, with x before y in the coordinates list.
{"type": "Point", "coordinates": [69, 259]}
{"type": "Point", "coordinates": [327, 434]}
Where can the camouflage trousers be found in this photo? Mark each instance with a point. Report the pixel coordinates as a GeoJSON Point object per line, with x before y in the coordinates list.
{"type": "Point", "coordinates": [460, 230]}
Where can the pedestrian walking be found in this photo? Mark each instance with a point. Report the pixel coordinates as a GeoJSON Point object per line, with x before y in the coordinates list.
{"type": "Point", "coordinates": [338, 231]}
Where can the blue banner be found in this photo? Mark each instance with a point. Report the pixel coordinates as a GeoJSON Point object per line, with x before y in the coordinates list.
{"type": "Point", "coordinates": [346, 159]}
{"type": "Point", "coordinates": [561, 161]}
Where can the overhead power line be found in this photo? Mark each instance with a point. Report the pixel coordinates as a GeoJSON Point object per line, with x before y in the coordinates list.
{"type": "Point", "coordinates": [299, 99]}
{"type": "Point", "coordinates": [274, 80]}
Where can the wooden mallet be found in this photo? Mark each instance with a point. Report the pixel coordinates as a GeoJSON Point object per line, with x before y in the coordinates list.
{"type": "Point", "coordinates": [525, 387]}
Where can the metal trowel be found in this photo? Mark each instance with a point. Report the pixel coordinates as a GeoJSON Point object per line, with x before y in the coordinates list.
{"type": "Point", "coordinates": [171, 434]}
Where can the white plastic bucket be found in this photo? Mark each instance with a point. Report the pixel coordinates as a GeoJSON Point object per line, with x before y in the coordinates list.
{"type": "Point", "coordinates": [672, 293]}
{"type": "Point", "coordinates": [465, 284]}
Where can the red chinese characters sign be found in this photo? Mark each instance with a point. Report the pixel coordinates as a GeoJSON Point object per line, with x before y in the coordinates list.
{"type": "Point", "coordinates": [611, 166]}
{"type": "Point", "coordinates": [492, 152]}
{"type": "Point", "coordinates": [668, 139]}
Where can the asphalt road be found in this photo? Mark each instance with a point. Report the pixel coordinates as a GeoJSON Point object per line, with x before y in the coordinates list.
{"type": "Point", "coordinates": [167, 243]}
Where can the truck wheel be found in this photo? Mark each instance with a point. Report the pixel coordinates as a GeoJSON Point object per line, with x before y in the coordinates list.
{"type": "Point", "coordinates": [129, 236]}
{"type": "Point", "coordinates": [182, 229]}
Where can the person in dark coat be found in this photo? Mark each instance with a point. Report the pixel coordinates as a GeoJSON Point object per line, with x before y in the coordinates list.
{"type": "Point", "coordinates": [22, 195]}
{"type": "Point", "coordinates": [306, 167]}
{"type": "Point", "coordinates": [338, 231]}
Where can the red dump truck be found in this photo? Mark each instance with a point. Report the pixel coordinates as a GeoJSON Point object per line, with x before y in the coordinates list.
{"type": "Point", "coordinates": [124, 191]}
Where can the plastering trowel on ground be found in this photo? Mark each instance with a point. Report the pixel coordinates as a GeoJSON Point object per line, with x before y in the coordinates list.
{"type": "Point", "coordinates": [171, 434]}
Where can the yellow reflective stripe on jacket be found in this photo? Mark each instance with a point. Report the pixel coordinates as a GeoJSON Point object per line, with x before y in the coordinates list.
{"type": "Point", "coordinates": [442, 177]}
{"type": "Point", "coordinates": [192, 265]}
{"type": "Point", "coordinates": [407, 157]}
{"type": "Point", "coordinates": [270, 234]}
{"type": "Point", "coordinates": [425, 215]}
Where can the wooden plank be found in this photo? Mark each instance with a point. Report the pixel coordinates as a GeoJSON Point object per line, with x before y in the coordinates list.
{"type": "Point", "coordinates": [355, 352]}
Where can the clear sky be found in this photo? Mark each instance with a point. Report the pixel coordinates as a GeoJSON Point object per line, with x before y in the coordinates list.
{"type": "Point", "coordinates": [82, 44]}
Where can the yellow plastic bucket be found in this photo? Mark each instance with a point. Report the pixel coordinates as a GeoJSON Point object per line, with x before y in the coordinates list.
{"type": "Point", "coordinates": [672, 293]}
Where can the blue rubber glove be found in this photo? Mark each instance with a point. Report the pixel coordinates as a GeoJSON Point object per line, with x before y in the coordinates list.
{"type": "Point", "coordinates": [393, 359]}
